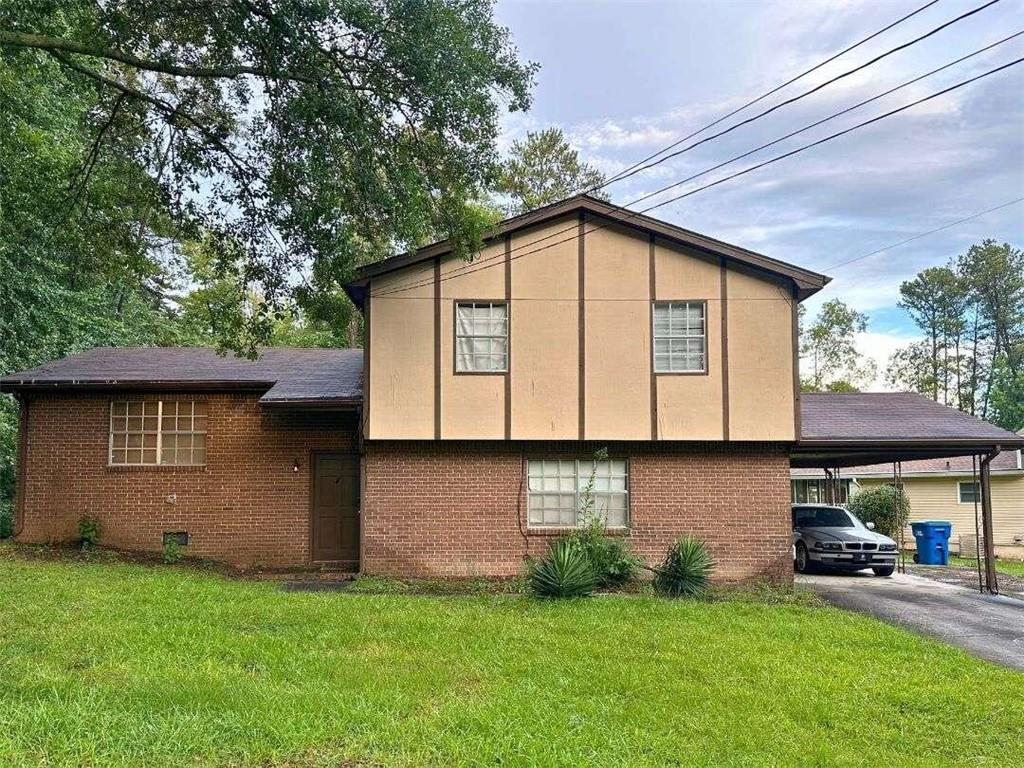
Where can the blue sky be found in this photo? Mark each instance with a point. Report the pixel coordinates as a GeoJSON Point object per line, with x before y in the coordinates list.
{"type": "Point", "coordinates": [624, 78]}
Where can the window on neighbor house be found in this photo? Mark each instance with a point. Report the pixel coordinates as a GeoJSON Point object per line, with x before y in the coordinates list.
{"type": "Point", "coordinates": [816, 491]}
{"type": "Point", "coordinates": [481, 337]}
{"type": "Point", "coordinates": [158, 432]}
{"type": "Point", "coordinates": [559, 492]}
{"type": "Point", "coordinates": [680, 337]}
{"type": "Point", "coordinates": [969, 493]}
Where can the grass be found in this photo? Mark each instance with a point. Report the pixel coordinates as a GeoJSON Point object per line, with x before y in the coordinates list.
{"type": "Point", "coordinates": [129, 664]}
{"type": "Point", "coordinates": [1011, 567]}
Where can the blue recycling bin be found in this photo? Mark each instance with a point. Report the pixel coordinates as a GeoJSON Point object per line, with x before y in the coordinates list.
{"type": "Point", "coordinates": [932, 537]}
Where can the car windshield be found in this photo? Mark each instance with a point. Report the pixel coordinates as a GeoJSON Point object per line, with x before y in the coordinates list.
{"type": "Point", "coordinates": [824, 517]}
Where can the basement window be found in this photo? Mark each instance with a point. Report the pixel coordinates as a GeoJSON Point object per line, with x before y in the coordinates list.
{"type": "Point", "coordinates": [481, 337]}
{"type": "Point", "coordinates": [559, 491]}
{"type": "Point", "coordinates": [147, 433]}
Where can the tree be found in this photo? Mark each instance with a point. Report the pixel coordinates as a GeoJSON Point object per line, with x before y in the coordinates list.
{"type": "Point", "coordinates": [544, 169]}
{"type": "Point", "coordinates": [306, 133]}
{"type": "Point", "coordinates": [928, 299]}
{"type": "Point", "coordinates": [829, 345]}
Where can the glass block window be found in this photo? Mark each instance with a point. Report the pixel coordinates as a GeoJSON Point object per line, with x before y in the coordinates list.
{"type": "Point", "coordinates": [969, 493]}
{"type": "Point", "coordinates": [680, 337]}
{"type": "Point", "coordinates": [158, 432]}
{"type": "Point", "coordinates": [481, 337]}
{"type": "Point", "coordinates": [559, 492]}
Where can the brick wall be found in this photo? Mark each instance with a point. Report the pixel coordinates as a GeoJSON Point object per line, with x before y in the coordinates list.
{"type": "Point", "coordinates": [246, 506]}
{"type": "Point", "coordinates": [459, 508]}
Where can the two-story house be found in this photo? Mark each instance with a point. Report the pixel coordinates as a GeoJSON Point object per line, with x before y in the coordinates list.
{"type": "Point", "coordinates": [461, 438]}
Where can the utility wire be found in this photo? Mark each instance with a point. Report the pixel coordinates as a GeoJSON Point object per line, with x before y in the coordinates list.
{"type": "Point", "coordinates": [481, 265]}
{"type": "Point", "coordinates": [918, 236]}
{"type": "Point", "coordinates": [766, 94]}
{"type": "Point", "coordinates": [462, 270]}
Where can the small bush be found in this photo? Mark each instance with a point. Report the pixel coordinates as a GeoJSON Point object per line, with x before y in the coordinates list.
{"type": "Point", "coordinates": [614, 565]}
{"type": "Point", "coordinates": [172, 550]}
{"type": "Point", "coordinates": [88, 532]}
{"type": "Point", "coordinates": [888, 509]}
{"type": "Point", "coordinates": [564, 572]}
{"type": "Point", "coordinates": [6, 521]}
{"type": "Point", "coordinates": [685, 570]}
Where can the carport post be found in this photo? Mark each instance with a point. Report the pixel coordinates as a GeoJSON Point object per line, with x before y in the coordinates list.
{"type": "Point", "coordinates": [986, 520]}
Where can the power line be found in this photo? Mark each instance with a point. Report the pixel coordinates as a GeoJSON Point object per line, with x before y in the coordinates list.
{"type": "Point", "coordinates": [463, 270]}
{"type": "Point", "coordinates": [806, 93]}
{"type": "Point", "coordinates": [770, 161]}
{"type": "Point", "coordinates": [925, 234]}
{"type": "Point", "coordinates": [766, 94]}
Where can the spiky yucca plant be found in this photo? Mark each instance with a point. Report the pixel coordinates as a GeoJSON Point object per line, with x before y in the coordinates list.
{"type": "Point", "coordinates": [565, 571]}
{"type": "Point", "coordinates": [685, 570]}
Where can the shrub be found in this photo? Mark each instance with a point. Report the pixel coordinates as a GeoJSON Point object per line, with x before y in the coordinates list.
{"type": "Point", "coordinates": [685, 570]}
{"type": "Point", "coordinates": [88, 532]}
{"type": "Point", "coordinates": [884, 506]}
{"type": "Point", "coordinates": [564, 572]}
{"type": "Point", "coordinates": [172, 550]}
{"type": "Point", "coordinates": [6, 521]}
{"type": "Point", "coordinates": [610, 558]}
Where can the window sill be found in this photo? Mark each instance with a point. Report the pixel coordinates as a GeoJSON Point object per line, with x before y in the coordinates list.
{"type": "Point", "coordinates": [156, 467]}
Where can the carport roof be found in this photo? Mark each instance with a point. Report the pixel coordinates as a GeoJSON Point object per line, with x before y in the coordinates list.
{"type": "Point", "coordinates": [850, 429]}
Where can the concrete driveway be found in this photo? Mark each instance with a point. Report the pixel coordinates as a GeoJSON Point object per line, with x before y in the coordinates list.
{"type": "Point", "coordinates": [991, 627]}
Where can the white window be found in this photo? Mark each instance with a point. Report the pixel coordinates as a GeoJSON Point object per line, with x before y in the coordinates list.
{"type": "Point", "coordinates": [481, 337]}
{"type": "Point", "coordinates": [158, 432]}
{"type": "Point", "coordinates": [561, 491]}
{"type": "Point", "coordinates": [680, 341]}
{"type": "Point", "coordinates": [969, 493]}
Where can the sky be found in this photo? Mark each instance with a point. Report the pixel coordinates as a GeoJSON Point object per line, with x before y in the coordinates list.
{"type": "Point", "coordinates": [625, 78]}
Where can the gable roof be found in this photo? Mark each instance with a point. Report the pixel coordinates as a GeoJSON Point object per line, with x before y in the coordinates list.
{"type": "Point", "coordinates": [805, 281]}
{"type": "Point", "coordinates": [287, 374]}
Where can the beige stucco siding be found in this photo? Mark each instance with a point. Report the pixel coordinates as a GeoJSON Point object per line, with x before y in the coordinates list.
{"type": "Point", "coordinates": [690, 407]}
{"type": "Point", "coordinates": [472, 405]}
{"type": "Point", "coordinates": [618, 337]}
{"type": "Point", "coordinates": [401, 388]}
{"type": "Point", "coordinates": [760, 341]}
{"type": "Point", "coordinates": [936, 498]}
{"type": "Point", "coordinates": [545, 343]}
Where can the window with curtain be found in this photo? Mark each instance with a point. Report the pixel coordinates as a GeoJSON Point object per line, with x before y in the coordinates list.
{"type": "Point", "coordinates": [158, 432]}
{"type": "Point", "coordinates": [680, 337]}
{"type": "Point", "coordinates": [481, 337]}
{"type": "Point", "coordinates": [559, 490]}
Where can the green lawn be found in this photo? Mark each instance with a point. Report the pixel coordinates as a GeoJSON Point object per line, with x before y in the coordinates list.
{"type": "Point", "coordinates": [1011, 567]}
{"type": "Point", "coordinates": [116, 664]}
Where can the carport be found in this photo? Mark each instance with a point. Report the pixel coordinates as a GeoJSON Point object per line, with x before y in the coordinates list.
{"type": "Point", "coordinates": [840, 430]}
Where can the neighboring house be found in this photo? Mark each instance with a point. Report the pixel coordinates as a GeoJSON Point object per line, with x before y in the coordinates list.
{"type": "Point", "coordinates": [945, 489]}
{"type": "Point", "coordinates": [463, 437]}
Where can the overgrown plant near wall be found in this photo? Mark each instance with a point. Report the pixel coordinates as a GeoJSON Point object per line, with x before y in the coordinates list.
{"type": "Point", "coordinates": [884, 506]}
{"type": "Point", "coordinates": [685, 570]}
{"type": "Point", "coordinates": [6, 520]}
{"type": "Point", "coordinates": [565, 571]}
{"type": "Point", "coordinates": [88, 532]}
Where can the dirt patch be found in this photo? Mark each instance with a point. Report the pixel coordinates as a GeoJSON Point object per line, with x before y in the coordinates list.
{"type": "Point", "coordinates": [1010, 585]}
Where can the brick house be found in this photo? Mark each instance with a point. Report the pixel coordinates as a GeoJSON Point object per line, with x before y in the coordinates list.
{"type": "Point", "coordinates": [459, 439]}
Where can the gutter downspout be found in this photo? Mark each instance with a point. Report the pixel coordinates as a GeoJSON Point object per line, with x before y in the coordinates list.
{"type": "Point", "coordinates": [991, 584]}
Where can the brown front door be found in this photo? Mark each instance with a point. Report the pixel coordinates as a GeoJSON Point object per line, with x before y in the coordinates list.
{"type": "Point", "coordinates": [335, 507]}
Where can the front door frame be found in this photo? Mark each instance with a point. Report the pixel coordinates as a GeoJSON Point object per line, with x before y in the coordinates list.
{"type": "Point", "coordinates": [313, 454]}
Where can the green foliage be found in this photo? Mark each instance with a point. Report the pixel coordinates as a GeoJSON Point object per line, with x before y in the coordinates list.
{"type": "Point", "coordinates": [685, 570]}
{"type": "Point", "coordinates": [173, 551]}
{"type": "Point", "coordinates": [829, 347]}
{"type": "Point", "coordinates": [6, 520]}
{"type": "Point", "coordinates": [612, 562]}
{"type": "Point", "coordinates": [565, 571]}
{"type": "Point", "coordinates": [882, 505]}
{"type": "Point", "coordinates": [544, 169]}
{"type": "Point", "coordinates": [88, 531]}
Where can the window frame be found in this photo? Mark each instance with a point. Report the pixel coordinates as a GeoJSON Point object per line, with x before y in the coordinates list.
{"type": "Point", "coordinates": [545, 528]}
{"type": "Point", "coordinates": [960, 494]}
{"type": "Point", "coordinates": [707, 347]}
{"type": "Point", "coordinates": [455, 336]}
{"type": "Point", "coordinates": [159, 432]}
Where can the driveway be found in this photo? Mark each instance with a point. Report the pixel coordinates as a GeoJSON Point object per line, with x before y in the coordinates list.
{"type": "Point", "coordinates": [991, 627]}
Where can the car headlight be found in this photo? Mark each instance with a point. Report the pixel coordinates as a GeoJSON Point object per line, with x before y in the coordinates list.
{"type": "Point", "coordinates": [887, 548]}
{"type": "Point", "coordinates": [833, 545]}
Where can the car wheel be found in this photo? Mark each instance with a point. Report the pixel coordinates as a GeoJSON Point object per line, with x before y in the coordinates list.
{"type": "Point", "coordinates": [802, 562]}
{"type": "Point", "coordinates": [885, 570]}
